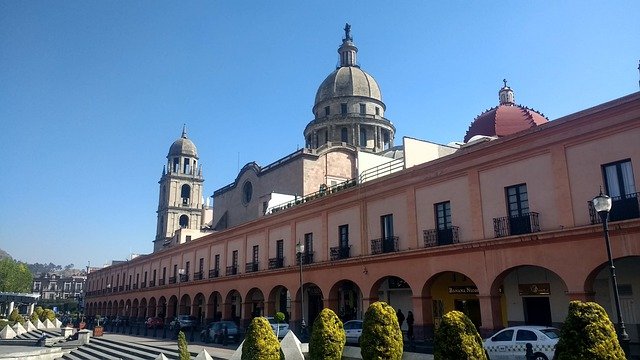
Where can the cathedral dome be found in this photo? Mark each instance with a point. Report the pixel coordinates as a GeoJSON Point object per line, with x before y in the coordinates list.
{"type": "Point", "coordinates": [505, 119]}
{"type": "Point", "coordinates": [183, 146]}
{"type": "Point", "coordinates": [348, 81]}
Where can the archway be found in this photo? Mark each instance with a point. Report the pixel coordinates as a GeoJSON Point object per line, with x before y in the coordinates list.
{"type": "Point", "coordinates": [162, 309]}
{"type": "Point", "coordinates": [199, 307]}
{"type": "Point", "coordinates": [142, 312]}
{"type": "Point", "coordinates": [185, 305]}
{"type": "Point", "coordinates": [214, 306]}
{"type": "Point", "coordinates": [279, 301]}
{"type": "Point", "coordinates": [312, 303]}
{"type": "Point", "coordinates": [152, 307]}
{"type": "Point", "coordinates": [127, 308]}
{"type": "Point", "coordinates": [134, 309]}
{"type": "Point", "coordinates": [396, 292]}
{"type": "Point", "coordinates": [233, 306]}
{"type": "Point", "coordinates": [345, 298]}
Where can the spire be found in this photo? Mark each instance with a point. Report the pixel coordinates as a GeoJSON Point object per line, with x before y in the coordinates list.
{"type": "Point", "coordinates": [184, 131]}
{"type": "Point", "coordinates": [506, 94]}
{"type": "Point", "coordinates": [347, 50]}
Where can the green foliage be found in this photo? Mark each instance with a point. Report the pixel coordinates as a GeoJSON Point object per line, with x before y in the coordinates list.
{"type": "Point", "coordinates": [38, 310]}
{"type": "Point", "coordinates": [457, 339]}
{"type": "Point", "coordinates": [34, 316]}
{"type": "Point", "coordinates": [183, 347]}
{"type": "Point", "coordinates": [15, 276]}
{"type": "Point", "coordinates": [15, 317]}
{"type": "Point", "coordinates": [327, 338]}
{"type": "Point", "coordinates": [381, 336]}
{"type": "Point", "coordinates": [47, 314]}
{"type": "Point", "coordinates": [587, 333]}
{"type": "Point", "coordinates": [260, 342]}
{"type": "Point", "coordinates": [3, 323]}
{"type": "Point", "coordinates": [279, 317]}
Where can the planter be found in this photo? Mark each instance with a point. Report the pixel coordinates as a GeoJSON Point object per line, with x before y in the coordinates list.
{"type": "Point", "coordinates": [98, 331]}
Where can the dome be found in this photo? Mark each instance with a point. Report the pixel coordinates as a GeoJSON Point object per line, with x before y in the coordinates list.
{"type": "Point", "coordinates": [348, 81]}
{"type": "Point", "coordinates": [183, 146]}
{"type": "Point", "coordinates": [505, 119]}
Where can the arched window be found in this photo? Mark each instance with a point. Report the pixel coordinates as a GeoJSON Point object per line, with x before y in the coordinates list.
{"type": "Point", "coordinates": [386, 140]}
{"type": "Point", "coordinates": [185, 194]}
{"type": "Point", "coordinates": [184, 221]}
{"type": "Point", "coordinates": [247, 192]}
{"type": "Point", "coordinates": [344, 135]}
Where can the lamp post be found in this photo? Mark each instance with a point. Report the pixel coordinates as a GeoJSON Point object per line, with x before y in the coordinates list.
{"type": "Point", "coordinates": [180, 273]}
{"type": "Point", "coordinates": [300, 251]}
{"type": "Point", "coordinates": [602, 204]}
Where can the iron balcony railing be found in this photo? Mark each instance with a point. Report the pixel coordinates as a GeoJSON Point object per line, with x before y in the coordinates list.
{"type": "Point", "coordinates": [121, 288]}
{"type": "Point", "coordinates": [437, 237]}
{"type": "Point", "coordinates": [516, 225]}
{"type": "Point", "coordinates": [214, 273]}
{"type": "Point", "coordinates": [251, 267]}
{"type": "Point", "coordinates": [135, 286]}
{"type": "Point", "coordinates": [307, 258]}
{"type": "Point", "coordinates": [623, 207]}
{"type": "Point", "coordinates": [161, 282]}
{"type": "Point", "coordinates": [232, 270]}
{"type": "Point", "coordinates": [384, 245]}
{"type": "Point", "coordinates": [143, 285]}
{"type": "Point", "coordinates": [197, 275]}
{"type": "Point", "coordinates": [340, 252]}
{"type": "Point", "coordinates": [184, 277]}
{"type": "Point", "coordinates": [318, 194]}
{"type": "Point", "coordinates": [152, 283]}
{"type": "Point", "coordinates": [172, 280]}
{"type": "Point", "coordinates": [276, 263]}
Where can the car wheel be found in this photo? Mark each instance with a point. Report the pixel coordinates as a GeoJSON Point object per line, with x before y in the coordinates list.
{"type": "Point", "coordinates": [539, 356]}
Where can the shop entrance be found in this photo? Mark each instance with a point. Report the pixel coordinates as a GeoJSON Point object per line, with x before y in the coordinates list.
{"type": "Point", "coordinates": [471, 308]}
{"type": "Point", "coordinates": [537, 311]}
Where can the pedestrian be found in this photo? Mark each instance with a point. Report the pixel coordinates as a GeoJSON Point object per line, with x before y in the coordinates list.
{"type": "Point", "coordinates": [410, 325]}
{"type": "Point", "coordinates": [400, 316]}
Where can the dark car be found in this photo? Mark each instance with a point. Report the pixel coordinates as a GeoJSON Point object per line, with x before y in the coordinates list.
{"type": "Point", "coordinates": [154, 322]}
{"type": "Point", "coordinates": [183, 322]}
{"type": "Point", "coordinates": [215, 332]}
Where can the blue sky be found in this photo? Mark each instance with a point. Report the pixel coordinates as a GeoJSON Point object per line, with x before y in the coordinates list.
{"type": "Point", "coordinates": [92, 94]}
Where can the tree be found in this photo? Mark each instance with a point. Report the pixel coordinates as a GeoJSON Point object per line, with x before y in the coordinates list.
{"type": "Point", "coordinates": [587, 333]}
{"type": "Point", "coordinates": [15, 276]}
{"type": "Point", "coordinates": [183, 348]}
{"type": "Point", "coordinates": [260, 342]}
{"type": "Point", "coordinates": [47, 314]}
{"type": "Point", "coordinates": [15, 317]}
{"type": "Point", "coordinates": [381, 336]}
{"type": "Point", "coordinates": [457, 339]}
{"type": "Point", "coordinates": [279, 317]}
{"type": "Point", "coordinates": [327, 338]}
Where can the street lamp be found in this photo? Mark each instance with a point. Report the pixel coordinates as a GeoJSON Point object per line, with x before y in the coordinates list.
{"type": "Point", "coordinates": [180, 273]}
{"type": "Point", "coordinates": [300, 251]}
{"type": "Point", "coordinates": [602, 204]}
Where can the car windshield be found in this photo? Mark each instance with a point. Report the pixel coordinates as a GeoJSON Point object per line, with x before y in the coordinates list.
{"type": "Point", "coordinates": [551, 333]}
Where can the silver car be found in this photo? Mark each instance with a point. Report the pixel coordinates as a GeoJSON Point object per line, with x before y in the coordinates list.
{"type": "Point", "coordinates": [353, 330]}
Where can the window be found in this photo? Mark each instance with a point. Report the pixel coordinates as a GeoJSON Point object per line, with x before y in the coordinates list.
{"type": "Point", "coordinates": [145, 277]}
{"type": "Point", "coordinates": [343, 234]}
{"type": "Point", "coordinates": [526, 335]}
{"type": "Point", "coordinates": [137, 279]}
{"type": "Point", "coordinates": [386, 140]}
{"type": "Point", "coordinates": [184, 221]}
{"type": "Point", "coordinates": [388, 242]}
{"type": "Point", "coordinates": [377, 110]}
{"type": "Point", "coordinates": [187, 166]}
{"type": "Point", "coordinates": [154, 276]}
{"type": "Point", "coordinates": [517, 200]}
{"type": "Point", "coordinates": [185, 194]}
{"type": "Point", "coordinates": [234, 258]}
{"type": "Point", "coordinates": [255, 254]}
{"type": "Point", "coordinates": [363, 109]}
{"type": "Point", "coordinates": [176, 164]}
{"type": "Point", "coordinates": [620, 185]}
{"type": "Point", "coordinates": [506, 335]}
{"type": "Point", "coordinates": [386, 223]}
{"type": "Point", "coordinates": [175, 270]}
{"type": "Point", "coordinates": [216, 262]}
{"type": "Point", "coordinates": [519, 220]}
{"type": "Point", "coordinates": [443, 215]}
{"type": "Point", "coordinates": [344, 135]}
{"type": "Point", "coordinates": [187, 238]}
{"type": "Point", "coordinates": [327, 111]}
{"type": "Point", "coordinates": [201, 265]}
{"type": "Point", "coordinates": [343, 108]}
{"type": "Point", "coordinates": [280, 249]}
{"type": "Point", "coordinates": [308, 243]}
{"type": "Point", "coordinates": [363, 137]}
{"type": "Point", "coordinates": [247, 192]}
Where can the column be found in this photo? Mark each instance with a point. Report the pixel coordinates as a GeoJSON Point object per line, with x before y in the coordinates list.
{"type": "Point", "coordinates": [491, 314]}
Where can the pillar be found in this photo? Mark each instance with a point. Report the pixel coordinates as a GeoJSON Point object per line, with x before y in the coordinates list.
{"type": "Point", "coordinates": [423, 314]}
{"type": "Point", "coordinates": [491, 314]}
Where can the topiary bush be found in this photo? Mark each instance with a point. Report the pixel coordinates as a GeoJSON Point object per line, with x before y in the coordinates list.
{"type": "Point", "coordinates": [260, 343]}
{"type": "Point", "coordinates": [15, 317]}
{"type": "Point", "coordinates": [183, 347]}
{"type": "Point", "coordinates": [327, 338]}
{"type": "Point", "coordinates": [381, 336]}
{"type": "Point", "coordinates": [457, 339]}
{"type": "Point", "coordinates": [587, 333]}
{"type": "Point", "coordinates": [47, 314]}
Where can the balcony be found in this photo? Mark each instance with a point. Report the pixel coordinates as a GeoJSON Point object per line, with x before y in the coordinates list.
{"type": "Point", "coordinates": [516, 225]}
{"type": "Point", "coordinates": [307, 258]}
{"type": "Point", "coordinates": [232, 270]}
{"type": "Point", "coordinates": [251, 267]}
{"type": "Point", "coordinates": [184, 278]}
{"type": "Point", "coordinates": [436, 237]}
{"type": "Point", "coordinates": [340, 252]}
{"type": "Point", "coordinates": [128, 287]}
{"type": "Point", "coordinates": [143, 285]}
{"type": "Point", "coordinates": [384, 245]}
{"type": "Point", "coordinates": [623, 207]}
{"type": "Point", "coordinates": [276, 263]}
{"type": "Point", "coordinates": [135, 286]}
{"type": "Point", "coordinates": [161, 282]}
{"type": "Point", "coordinates": [197, 275]}
{"type": "Point", "coordinates": [214, 273]}
{"type": "Point", "coordinates": [121, 288]}
{"type": "Point", "coordinates": [172, 280]}
{"type": "Point", "coordinates": [152, 283]}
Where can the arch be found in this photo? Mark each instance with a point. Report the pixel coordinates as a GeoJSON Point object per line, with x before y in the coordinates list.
{"type": "Point", "coordinates": [451, 290]}
{"type": "Point", "coordinates": [127, 308]}
{"type": "Point", "coordinates": [345, 299]}
{"type": "Point", "coordinates": [254, 303]}
{"type": "Point", "coordinates": [184, 221]}
{"type": "Point", "coordinates": [279, 300]}
{"type": "Point", "coordinates": [199, 307]}
{"type": "Point", "coordinates": [233, 306]}
{"type": "Point", "coordinates": [162, 308]}
{"type": "Point", "coordinates": [185, 194]}
{"type": "Point", "coordinates": [172, 304]}
{"type": "Point", "coordinates": [184, 307]}
{"type": "Point", "coordinates": [121, 308]}
{"type": "Point", "coordinates": [152, 310]}
{"type": "Point", "coordinates": [142, 309]}
{"type": "Point", "coordinates": [134, 308]}
{"type": "Point", "coordinates": [214, 306]}
{"type": "Point", "coordinates": [312, 303]}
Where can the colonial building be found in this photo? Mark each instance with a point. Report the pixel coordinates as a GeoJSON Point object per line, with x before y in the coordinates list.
{"type": "Point", "coordinates": [53, 287]}
{"type": "Point", "coordinates": [500, 226]}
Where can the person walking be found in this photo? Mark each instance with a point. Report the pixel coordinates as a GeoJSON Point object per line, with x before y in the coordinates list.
{"type": "Point", "coordinates": [410, 321]}
{"type": "Point", "coordinates": [400, 316]}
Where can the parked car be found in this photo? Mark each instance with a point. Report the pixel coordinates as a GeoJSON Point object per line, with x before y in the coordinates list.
{"type": "Point", "coordinates": [215, 332]}
{"type": "Point", "coordinates": [183, 322]}
{"type": "Point", "coordinates": [280, 329]}
{"type": "Point", "coordinates": [510, 343]}
{"type": "Point", "coordinates": [154, 322]}
{"type": "Point", "coordinates": [352, 331]}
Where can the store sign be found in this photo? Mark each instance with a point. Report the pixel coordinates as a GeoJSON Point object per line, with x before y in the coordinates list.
{"type": "Point", "coordinates": [463, 290]}
{"type": "Point", "coordinates": [534, 289]}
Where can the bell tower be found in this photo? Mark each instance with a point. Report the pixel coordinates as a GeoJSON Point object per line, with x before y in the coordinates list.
{"type": "Point", "coordinates": [180, 204]}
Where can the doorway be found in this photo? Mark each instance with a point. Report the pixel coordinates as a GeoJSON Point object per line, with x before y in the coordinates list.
{"type": "Point", "coordinates": [537, 311]}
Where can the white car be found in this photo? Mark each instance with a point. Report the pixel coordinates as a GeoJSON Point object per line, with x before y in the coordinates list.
{"type": "Point", "coordinates": [352, 331]}
{"type": "Point", "coordinates": [280, 329]}
{"type": "Point", "coordinates": [511, 343]}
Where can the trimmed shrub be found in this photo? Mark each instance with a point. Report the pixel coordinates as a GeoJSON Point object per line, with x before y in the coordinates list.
{"type": "Point", "coordinates": [457, 339]}
{"type": "Point", "coordinates": [15, 317]}
{"type": "Point", "coordinates": [327, 338]}
{"type": "Point", "coordinates": [47, 314]}
{"type": "Point", "coordinates": [587, 333]}
{"type": "Point", "coordinates": [183, 347]}
{"type": "Point", "coordinates": [381, 336]}
{"type": "Point", "coordinates": [260, 343]}
{"type": "Point", "coordinates": [34, 316]}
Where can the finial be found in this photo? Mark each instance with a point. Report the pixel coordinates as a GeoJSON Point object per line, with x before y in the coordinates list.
{"type": "Point", "coordinates": [506, 95]}
{"type": "Point", "coordinates": [184, 131]}
{"type": "Point", "coordinates": [505, 82]}
{"type": "Point", "coordinates": [347, 32]}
